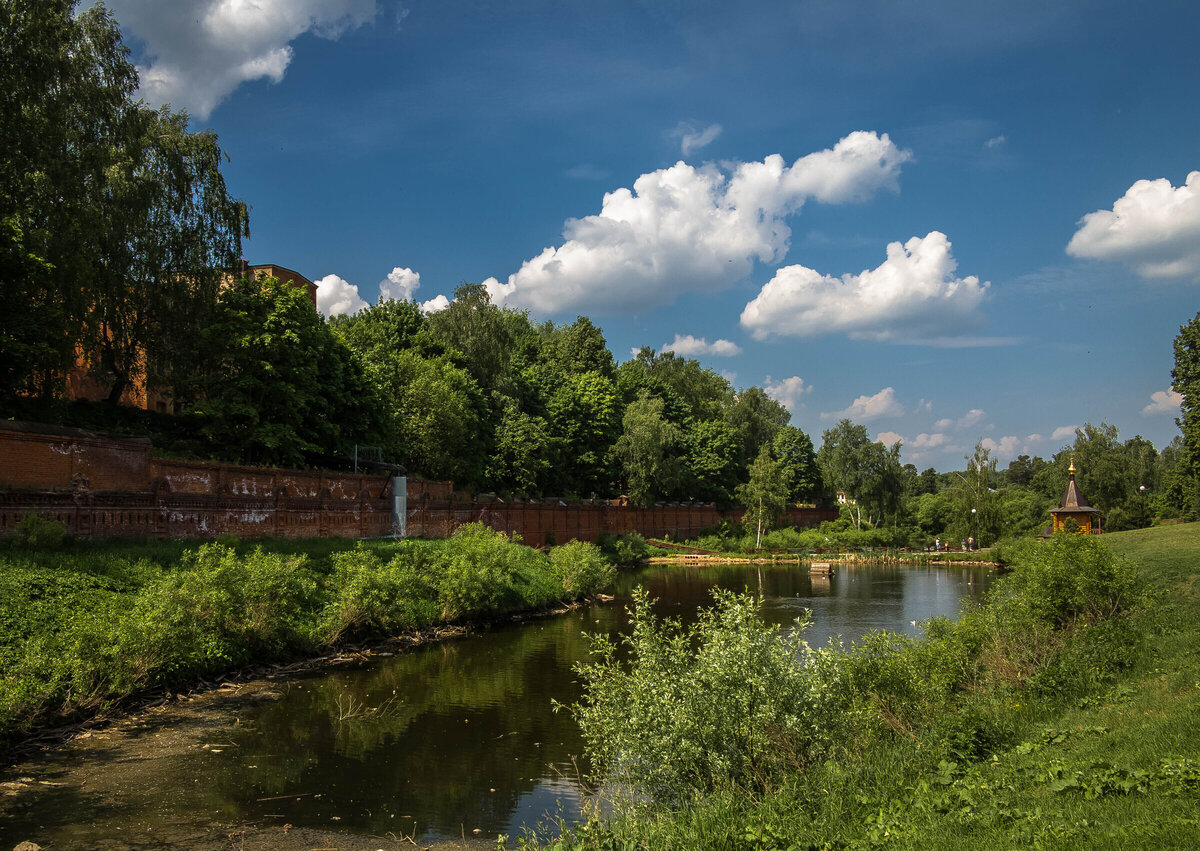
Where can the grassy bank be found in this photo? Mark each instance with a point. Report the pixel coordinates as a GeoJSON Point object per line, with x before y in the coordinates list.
{"type": "Point", "coordinates": [1065, 713]}
{"type": "Point", "coordinates": [84, 625]}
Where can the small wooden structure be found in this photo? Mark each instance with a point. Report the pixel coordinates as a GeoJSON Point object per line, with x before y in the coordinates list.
{"type": "Point", "coordinates": [1073, 506]}
{"type": "Point", "coordinates": [821, 568]}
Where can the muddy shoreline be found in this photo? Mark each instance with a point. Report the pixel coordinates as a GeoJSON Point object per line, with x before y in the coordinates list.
{"type": "Point", "coordinates": [110, 763]}
{"type": "Point", "coordinates": [46, 739]}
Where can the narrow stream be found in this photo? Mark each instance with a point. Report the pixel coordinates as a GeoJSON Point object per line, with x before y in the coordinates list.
{"type": "Point", "coordinates": [435, 744]}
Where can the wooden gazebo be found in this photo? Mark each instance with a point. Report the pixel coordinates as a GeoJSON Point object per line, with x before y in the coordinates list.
{"type": "Point", "coordinates": [1073, 506]}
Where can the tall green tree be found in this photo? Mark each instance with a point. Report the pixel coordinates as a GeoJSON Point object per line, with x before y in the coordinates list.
{"type": "Point", "coordinates": [1185, 379]}
{"type": "Point", "coordinates": [765, 495]}
{"type": "Point", "coordinates": [648, 451]}
{"type": "Point", "coordinates": [977, 504]}
{"type": "Point", "coordinates": [279, 386]}
{"type": "Point", "coordinates": [794, 451]}
{"type": "Point", "coordinates": [123, 209]}
{"type": "Point", "coordinates": [67, 85]}
{"type": "Point", "coordinates": [172, 234]}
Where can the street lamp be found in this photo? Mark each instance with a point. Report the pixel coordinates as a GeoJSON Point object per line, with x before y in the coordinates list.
{"type": "Point", "coordinates": [976, 543]}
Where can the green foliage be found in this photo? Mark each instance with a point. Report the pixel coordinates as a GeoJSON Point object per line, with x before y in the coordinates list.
{"type": "Point", "coordinates": [875, 741]}
{"type": "Point", "coordinates": [647, 450]}
{"type": "Point", "coordinates": [869, 473]}
{"type": "Point", "coordinates": [1185, 379]}
{"type": "Point", "coordinates": [627, 549]}
{"type": "Point", "coordinates": [481, 571]}
{"type": "Point", "coordinates": [220, 610]}
{"type": "Point", "coordinates": [93, 622]}
{"type": "Point", "coordinates": [724, 702]}
{"type": "Point", "coordinates": [35, 533]}
{"type": "Point", "coordinates": [582, 568]}
{"type": "Point", "coordinates": [765, 495]}
{"type": "Point", "coordinates": [370, 597]}
{"type": "Point", "coordinates": [68, 85]}
{"type": "Point", "coordinates": [280, 385]}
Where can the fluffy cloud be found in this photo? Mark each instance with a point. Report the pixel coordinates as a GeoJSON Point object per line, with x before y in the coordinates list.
{"type": "Point", "coordinates": [1005, 447]}
{"type": "Point", "coordinates": [912, 295]}
{"type": "Point", "coordinates": [1163, 402]}
{"type": "Point", "coordinates": [685, 229]}
{"type": "Point", "coordinates": [929, 441]}
{"type": "Point", "coordinates": [336, 296]}
{"type": "Point", "coordinates": [1154, 227]}
{"type": "Point", "coordinates": [787, 391]}
{"type": "Point", "coordinates": [400, 284]}
{"type": "Point", "coordinates": [198, 51]}
{"type": "Point", "coordinates": [435, 304]}
{"type": "Point", "coordinates": [693, 139]}
{"type": "Point", "coordinates": [867, 408]}
{"type": "Point", "coordinates": [1063, 432]}
{"type": "Point", "coordinates": [686, 344]}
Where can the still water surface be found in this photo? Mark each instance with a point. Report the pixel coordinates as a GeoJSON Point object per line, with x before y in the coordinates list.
{"type": "Point", "coordinates": [450, 738]}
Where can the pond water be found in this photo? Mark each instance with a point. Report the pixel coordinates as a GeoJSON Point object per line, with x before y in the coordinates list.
{"type": "Point", "coordinates": [435, 744]}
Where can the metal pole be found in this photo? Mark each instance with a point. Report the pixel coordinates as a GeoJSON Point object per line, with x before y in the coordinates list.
{"type": "Point", "coordinates": [399, 506]}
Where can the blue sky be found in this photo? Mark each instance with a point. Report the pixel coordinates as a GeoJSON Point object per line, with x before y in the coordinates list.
{"type": "Point", "coordinates": [948, 221]}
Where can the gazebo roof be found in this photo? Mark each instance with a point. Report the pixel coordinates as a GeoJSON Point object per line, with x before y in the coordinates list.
{"type": "Point", "coordinates": [1073, 502]}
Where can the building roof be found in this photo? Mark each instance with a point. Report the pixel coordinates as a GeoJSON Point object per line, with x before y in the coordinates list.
{"type": "Point", "coordinates": [1073, 501]}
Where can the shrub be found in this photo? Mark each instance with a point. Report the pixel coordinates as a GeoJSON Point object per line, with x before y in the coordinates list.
{"type": "Point", "coordinates": [625, 549]}
{"type": "Point", "coordinates": [369, 597]}
{"type": "Point", "coordinates": [1069, 578]}
{"type": "Point", "coordinates": [581, 568]}
{"type": "Point", "coordinates": [483, 571]}
{"type": "Point", "coordinates": [35, 533]}
{"type": "Point", "coordinates": [727, 701]}
{"type": "Point", "coordinates": [221, 610]}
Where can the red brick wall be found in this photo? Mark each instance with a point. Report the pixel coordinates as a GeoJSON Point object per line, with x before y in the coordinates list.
{"type": "Point", "coordinates": [112, 488]}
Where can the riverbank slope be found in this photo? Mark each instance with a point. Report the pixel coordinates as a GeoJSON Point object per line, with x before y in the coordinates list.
{"type": "Point", "coordinates": [1080, 731]}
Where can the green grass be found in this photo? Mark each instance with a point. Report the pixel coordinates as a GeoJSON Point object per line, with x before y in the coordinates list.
{"type": "Point", "coordinates": [1098, 746]}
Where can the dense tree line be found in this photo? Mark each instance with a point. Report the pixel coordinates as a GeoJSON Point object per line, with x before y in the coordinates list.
{"type": "Point", "coordinates": [489, 398]}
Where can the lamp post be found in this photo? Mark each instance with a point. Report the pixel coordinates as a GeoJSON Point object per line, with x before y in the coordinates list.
{"type": "Point", "coordinates": [1142, 492]}
{"type": "Point", "coordinates": [976, 543]}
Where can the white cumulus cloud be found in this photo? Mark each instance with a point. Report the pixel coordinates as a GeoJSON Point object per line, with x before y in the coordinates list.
{"type": "Point", "coordinates": [686, 229]}
{"type": "Point", "coordinates": [787, 391]}
{"type": "Point", "coordinates": [400, 284]}
{"type": "Point", "coordinates": [913, 294]}
{"type": "Point", "coordinates": [198, 51]}
{"type": "Point", "coordinates": [435, 304]}
{"type": "Point", "coordinates": [1063, 432]}
{"type": "Point", "coordinates": [1163, 402]}
{"type": "Point", "coordinates": [337, 296]}
{"type": "Point", "coordinates": [867, 408]}
{"type": "Point", "coordinates": [1154, 227]}
{"type": "Point", "coordinates": [686, 344]}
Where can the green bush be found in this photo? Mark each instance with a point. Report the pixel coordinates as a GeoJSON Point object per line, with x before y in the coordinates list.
{"type": "Point", "coordinates": [724, 702]}
{"type": "Point", "coordinates": [627, 549]}
{"type": "Point", "coordinates": [482, 571]}
{"type": "Point", "coordinates": [1070, 578]}
{"type": "Point", "coordinates": [35, 533]}
{"type": "Point", "coordinates": [221, 610]}
{"type": "Point", "coordinates": [582, 569]}
{"type": "Point", "coordinates": [369, 597]}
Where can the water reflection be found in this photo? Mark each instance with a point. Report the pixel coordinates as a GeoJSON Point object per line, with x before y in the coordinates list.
{"type": "Point", "coordinates": [463, 735]}
{"type": "Point", "coordinates": [457, 736]}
